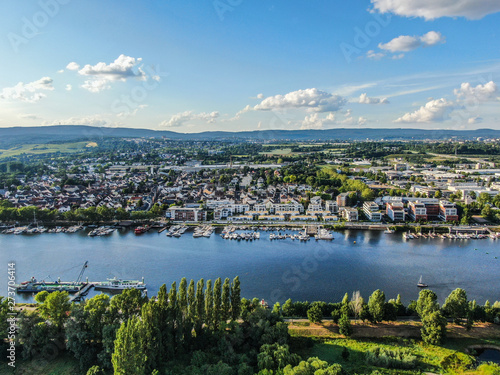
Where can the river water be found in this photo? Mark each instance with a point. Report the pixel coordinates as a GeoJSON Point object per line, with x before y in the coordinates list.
{"type": "Point", "coordinates": [272, 270]}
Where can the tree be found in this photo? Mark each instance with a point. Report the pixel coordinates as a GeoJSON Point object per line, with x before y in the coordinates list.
{"type": "Point", "coordinates": [426, 303]}
{"type": "Point", "coordinates": [433, 328]}
{"type": "Point", "coordinates": [356, 303]}
{"type": "Point", "coordinates": [200, 306]}
{"type": "Point", "coordinates": [456, 305]}
{"type": "Point", "coordinates": [217, 314]}
{"type": "Point", "coordinates": [236, 299]}
{"type": "Point", "coordinates": [277, 309]}
{"type": "Point", "coordinates": [345, 325]}
{"type": "Point", "coordinates": [276, 357]}
{"type": "Point", "coordinates": [209, 305]}
{"type": "Point", "coordinates": [287, 308]}
{"type": "Point", "coordinates": [376, 304]}
{"type": "Point", "coordinates": [314, 313]}
{"type": "Point", "coordinates": [55, 307]}
{"type": "Point", "coordinates": [226, 301]}
{"type": "Point", "coordinates": [129, 356]}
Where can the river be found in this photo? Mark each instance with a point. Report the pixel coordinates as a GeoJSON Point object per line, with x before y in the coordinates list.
{"type": "Point", "coordinates": [272, 270]}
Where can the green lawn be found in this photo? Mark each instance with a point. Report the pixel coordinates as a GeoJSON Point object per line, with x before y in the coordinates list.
{"type": "Point", "coordinates": [429, 357]}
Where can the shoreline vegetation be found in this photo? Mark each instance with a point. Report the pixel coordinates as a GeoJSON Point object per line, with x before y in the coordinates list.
{"type": "Point", "coordinates": [205, 327]}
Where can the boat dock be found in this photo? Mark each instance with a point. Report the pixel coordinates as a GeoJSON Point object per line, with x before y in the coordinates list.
{"type": "Point", "coordinates": [82, 293]}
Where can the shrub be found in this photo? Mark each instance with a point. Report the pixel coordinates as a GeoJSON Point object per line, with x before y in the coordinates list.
{"type": "Point", "coordinates": [391, 358]}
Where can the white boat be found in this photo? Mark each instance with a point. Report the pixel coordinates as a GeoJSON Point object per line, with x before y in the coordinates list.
{"type": "Point", "coordinates": [119, 284]}
{"type": "Point", "coordinates": [388, 231]}
{"type": "Point", "coordinates": [421, 283]}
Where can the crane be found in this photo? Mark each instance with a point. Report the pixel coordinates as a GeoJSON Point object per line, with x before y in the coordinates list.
{"type": "Point", "coordinates": [81, 272]}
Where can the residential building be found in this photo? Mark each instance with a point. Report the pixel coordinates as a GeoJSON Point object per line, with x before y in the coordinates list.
{"type": "Point", "coordinates": [448, 211]}
{"type": "Point", "coordinates": [395, 211]}
{"type": "Point", "coordinates": [350, 214]}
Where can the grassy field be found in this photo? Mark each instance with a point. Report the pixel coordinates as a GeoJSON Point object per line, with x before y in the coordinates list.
{"type": "Point", "coordinates": [48, 148]}
{"type": "Point", "coordinates": [63, 365]}
{"type": "Point", "coordinates": [327, 344]}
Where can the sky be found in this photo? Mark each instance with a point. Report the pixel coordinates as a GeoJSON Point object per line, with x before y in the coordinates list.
{"type": "Point", "coordinates": [234, 65]}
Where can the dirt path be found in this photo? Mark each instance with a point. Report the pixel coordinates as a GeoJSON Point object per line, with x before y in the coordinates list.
{"type": "Point", "coordinates": [398, 329]}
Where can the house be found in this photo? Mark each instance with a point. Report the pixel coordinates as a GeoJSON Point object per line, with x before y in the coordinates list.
{"type": "Point", "coordinates": [350, 214]}
{"type": "Point", "coordinates": [187, 214]}
{"type": "Point", "coordinates": [371, 211]}
{"type": "Point", "coordinates": [395, 211]}
{"type": "Point", "coordinates": [448, 211]}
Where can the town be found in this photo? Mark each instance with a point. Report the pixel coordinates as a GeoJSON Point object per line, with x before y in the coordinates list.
{"type": "Point", "coordinates": [251, 182]}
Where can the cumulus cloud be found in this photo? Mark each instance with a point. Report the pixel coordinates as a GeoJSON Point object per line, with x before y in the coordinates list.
{"type": "Point", "coordinates": [433, 111]}
{"type": "Point", "coordinates": [260, 96]}
{"type": "Point", "coordinates": [480, 93]}
{"type": "Point", "coordinates": [315, 121]}
{"type": "Point", "coordinates": [180, 118]}
{"type": "Point", "coordinates": [432, 9]}
{"type": "Point", "coordinates": [73, 66]}
{"type": "Point", "coordinates": [102, 74]}
{"type": "Point", "coordinates": [68, 87]}
{"type": "Point", "coordinates": [365, 99]}
{"type": "Point", "coordinates": [406, 43]}
{"type": "Point", "coordinates": [28, 92]}
{"type": "Point", "coordinates": [313, 100]}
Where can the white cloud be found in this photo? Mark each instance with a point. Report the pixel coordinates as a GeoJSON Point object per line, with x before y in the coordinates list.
{"type": "Point", "coordinates": [480, 93]}
{"type": "Point", "coordinates": [365, 99]}
{"type": "Point", "coordinates": [60, 71]}
{"type": "Point", "coordinates": [95, 120]}
{"type": "Point", "coordinates": [372, 55]}
{"type": "Point", "coordinates": [96, 85]}
{"type": "Point", "coordinates": [313, 100]}
{"type": "Point", "coordinates": [73, 66]}
{"type": "Point", "coordinates": [433, 111]}
{"type": "Point", "coordinates": [474, 120]}
{"type": "Point", "coordinates": [431, 9]}
{"type": "Point", "coordinates": [180, 118]}
{"type": "Point", "coordinates": [406, 43]}
{"type": "Point", "coordinates": [102, 74]}
{"type": "Point", "coordinates": [315, 121]}
{"type": "Point", "coordinates": [68, 87]}
{"type": "Point", "coordinates": [260, 96]}
{"type": "Point", "coordinates": [28, 92]}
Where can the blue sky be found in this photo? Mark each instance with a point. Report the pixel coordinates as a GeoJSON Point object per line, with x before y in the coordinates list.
{"type": "Point", "coordinates": [245, 65]}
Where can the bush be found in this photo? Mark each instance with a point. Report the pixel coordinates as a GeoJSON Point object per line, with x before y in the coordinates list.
{"type": "Point", "coordinates": [457, 362]}
{"type": "Point", "coordinates": [391, 358]}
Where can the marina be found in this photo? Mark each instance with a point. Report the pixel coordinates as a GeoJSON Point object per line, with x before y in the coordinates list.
{"type": "Point", "coordinates": [271, 269]}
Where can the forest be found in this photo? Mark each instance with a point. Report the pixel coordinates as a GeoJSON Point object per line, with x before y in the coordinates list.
{"type": "Point", "coordinates": [207, 328]}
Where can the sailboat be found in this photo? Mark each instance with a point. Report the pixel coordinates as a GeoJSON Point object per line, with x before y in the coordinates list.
{"type": "Point", "coordinates": [421, 284]}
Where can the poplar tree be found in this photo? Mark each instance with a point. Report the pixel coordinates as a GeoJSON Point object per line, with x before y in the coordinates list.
{"type": "Point", "coordinates": [200, 306]}
{"type": "Point", "coordinates": [217, 304]}
{"type": "Point", "coordinates": [209, 305]}
{"type": "Point", "coordinates": [226, 302]}
{"type": "Point", "coordinates": [182, 298]}
{"type": "Point", "coordinates": [129, 356]}
{"type": "Point", "coordinates": [191, 300]}
{"type": "Point", "coordinates": [236, 299]}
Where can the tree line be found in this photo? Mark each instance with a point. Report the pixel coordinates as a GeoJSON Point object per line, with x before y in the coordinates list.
{"type": "Point", "coordinates": [433, 316]}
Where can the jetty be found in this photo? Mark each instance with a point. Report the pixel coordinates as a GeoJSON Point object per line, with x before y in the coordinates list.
{"type": "Point", "coordinates": [82, 293]}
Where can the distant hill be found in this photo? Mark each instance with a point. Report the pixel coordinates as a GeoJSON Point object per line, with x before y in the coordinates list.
{"type": "Point", "coordinates": [44, 134]}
